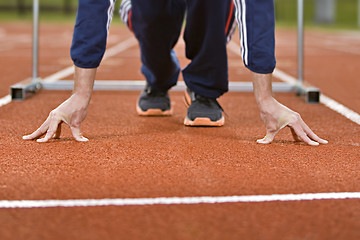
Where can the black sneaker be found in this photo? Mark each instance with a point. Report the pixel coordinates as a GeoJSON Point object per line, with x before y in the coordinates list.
{"type": "Point", "coordinates": [154, 103]}
{"type": "Point", "coordinates": [203, 111]}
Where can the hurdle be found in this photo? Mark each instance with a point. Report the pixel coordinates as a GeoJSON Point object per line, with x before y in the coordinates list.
{"type": "Point", "coordinates": [30, 86]}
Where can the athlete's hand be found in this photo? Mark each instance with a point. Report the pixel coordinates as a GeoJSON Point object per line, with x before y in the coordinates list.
{"type": "Point", "coordinates": [276, 116]}
{"type": "Point", "coordinates": [72, 112]}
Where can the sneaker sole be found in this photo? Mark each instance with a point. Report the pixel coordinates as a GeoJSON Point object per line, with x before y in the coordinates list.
{"type": "Point", "coordinates": [200, 121]}
{"type": "Point", "coordinates": [204, 122]}
{"type": "Point", "coordinates": [153, 112]}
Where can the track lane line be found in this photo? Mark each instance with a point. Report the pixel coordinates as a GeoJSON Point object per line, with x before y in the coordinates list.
{"type": "Point", "coordinates": [5, 100]}
{"type": "Point", "coordinates": [327, 101]}
{"type": "Point", "coordinates": [120, 47]}
{"type": "Point", "coordinates": [51, 203]}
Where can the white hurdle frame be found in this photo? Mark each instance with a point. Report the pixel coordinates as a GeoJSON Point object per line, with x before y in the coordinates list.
{"type": "Point", "coordinates": [24, 89]}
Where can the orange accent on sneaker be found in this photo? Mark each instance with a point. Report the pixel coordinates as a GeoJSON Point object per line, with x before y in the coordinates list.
{"type": "Point", "coordinates": [187, 99]}
{"type": "Point", "coordinates": [204, 122]}
{"type": "Point", "coordinates": [229, 18]}
{"type": "Point", "coordinates": [129, 21]}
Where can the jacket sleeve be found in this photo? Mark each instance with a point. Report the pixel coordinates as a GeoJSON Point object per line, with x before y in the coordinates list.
{"type": "Point", "coordinates": [90, 32]}
{"type": "Point", "coordinates": [256, 19]}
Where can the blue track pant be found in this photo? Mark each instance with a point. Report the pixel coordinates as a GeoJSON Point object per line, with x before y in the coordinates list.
{"type": "Point", "coordinates": [256, 21]}
{"type": "Point", "coordinates": [157, 25]}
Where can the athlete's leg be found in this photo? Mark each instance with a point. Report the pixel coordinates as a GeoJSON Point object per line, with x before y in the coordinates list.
{"type": "Point", "coordinates": [205, 38]}
{"type": "Point", "coordinates": [256, 28]}
{"type": "Point", "coordinates": [207, 27]}
{"type": "Point", "coordinates": [157, 26]}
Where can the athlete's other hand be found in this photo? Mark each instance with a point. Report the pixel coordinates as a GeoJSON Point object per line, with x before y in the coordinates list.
{"type": "Point", "coordinates": [277, 116]}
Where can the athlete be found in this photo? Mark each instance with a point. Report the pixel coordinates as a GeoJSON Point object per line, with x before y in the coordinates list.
{"type": "Point", "coordinates": [256, 24]}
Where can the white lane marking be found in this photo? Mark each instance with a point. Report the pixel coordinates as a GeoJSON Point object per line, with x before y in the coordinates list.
{"type": "Point", "coordinates": [59, 75]}
{"type": "Point", "coordinates": [330, 103]}
{"type": "Point", "coordinates": [5, 100]}
{"type": "Point", "coordinates": [284, 77]}
{"type": "Point", "coordinates": [339, 108]}
{"type": "Point", "coordinates": [345, 44]}
{"type": "Point", "coordinates": [327, 101]}
{"type": "Point", "coordinates": [122, 46]}
{"type": "Point", "coordinates": [176, 200]}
